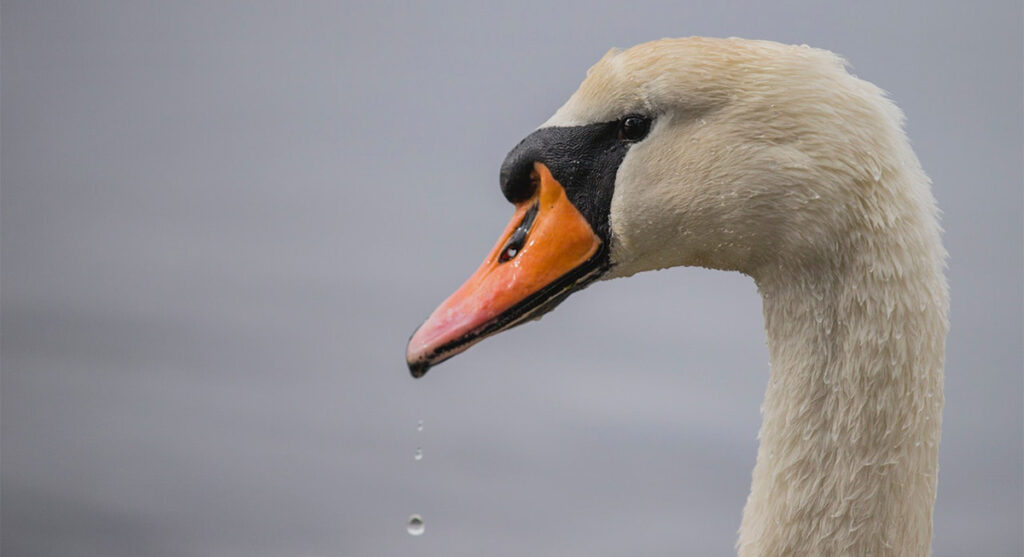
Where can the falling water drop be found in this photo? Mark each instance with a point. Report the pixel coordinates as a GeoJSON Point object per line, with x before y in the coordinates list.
{"type": "Point", "coordinates": [415, 526]}
{"type": "Point", "coordinates": [419, 425]}
{"type": "Point", "coordinates": [418, 455]}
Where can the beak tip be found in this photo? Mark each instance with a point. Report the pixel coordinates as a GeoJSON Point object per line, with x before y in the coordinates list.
{"type": "Point", "coordinates": [417, 360]}
{"type": "Point", "coordinates": [418, 369]}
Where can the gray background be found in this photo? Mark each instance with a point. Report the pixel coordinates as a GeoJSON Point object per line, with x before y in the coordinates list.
{"type": "Point", "coordinates": [222, 220]}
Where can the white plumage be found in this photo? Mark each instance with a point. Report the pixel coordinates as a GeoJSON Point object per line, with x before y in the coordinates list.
{"type": "Point", "coordinates": [774, 161]}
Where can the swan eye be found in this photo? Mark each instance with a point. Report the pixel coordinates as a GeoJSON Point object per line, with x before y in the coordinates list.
{"type": "Point", "coordinates": [634, 128]}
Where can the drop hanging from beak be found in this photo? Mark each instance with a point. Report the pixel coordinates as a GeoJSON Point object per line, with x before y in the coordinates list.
{"type": "Point", "coordinates": [547, 251]}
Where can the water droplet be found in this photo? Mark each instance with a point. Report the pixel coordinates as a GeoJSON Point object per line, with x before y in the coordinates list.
{"type": "Point", "coordinates": [703, 122]}
{"type": "Point", "coordinates": [419, 425]}
{"type": "Point", "coordinates": [876, 173]}
{"type": "Point", "coordinates": [415, 526]}
{"type": "Point", "coordinates": [418, 455]}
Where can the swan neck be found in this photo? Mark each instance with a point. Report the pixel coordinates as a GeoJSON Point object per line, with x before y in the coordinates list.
{"type": "Point", "coordinates": [847, 463]}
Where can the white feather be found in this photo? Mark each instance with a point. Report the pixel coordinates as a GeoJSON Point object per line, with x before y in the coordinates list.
{"type": "Point", "coordinates": [774, 161]}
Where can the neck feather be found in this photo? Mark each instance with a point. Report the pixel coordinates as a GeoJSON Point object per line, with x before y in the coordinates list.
{"type": "Point", "coordinates": [848, 458]}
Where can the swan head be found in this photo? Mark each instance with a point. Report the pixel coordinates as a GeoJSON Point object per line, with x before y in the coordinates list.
{"type": "Point", "coordinates": [722, 153]}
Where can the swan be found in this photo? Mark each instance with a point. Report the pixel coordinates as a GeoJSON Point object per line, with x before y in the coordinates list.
{"type": "Point", "coordinates": [774, 161]}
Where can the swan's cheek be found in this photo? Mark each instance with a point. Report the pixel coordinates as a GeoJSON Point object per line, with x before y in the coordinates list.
{"type": "Point", "coordinates": [646, 220]}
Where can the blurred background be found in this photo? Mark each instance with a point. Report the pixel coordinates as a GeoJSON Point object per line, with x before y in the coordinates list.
{"type": "Point", "coordinates": [221, 221]}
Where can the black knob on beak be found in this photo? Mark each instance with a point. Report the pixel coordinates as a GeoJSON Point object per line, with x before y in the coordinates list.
{"type": "Point", "coordinates": [518, 180]}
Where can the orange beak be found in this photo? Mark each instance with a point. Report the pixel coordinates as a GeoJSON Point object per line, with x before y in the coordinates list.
{"type": "Point", "coordinates": [547, 251]}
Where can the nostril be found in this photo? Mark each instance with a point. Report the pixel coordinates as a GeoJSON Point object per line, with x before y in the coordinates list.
{"type": "Point", "coordinates": [513, 245]}
{"type": "Point", "coordinates": [515, 242]}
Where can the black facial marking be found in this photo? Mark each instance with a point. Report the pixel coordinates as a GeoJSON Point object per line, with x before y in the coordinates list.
{"type": "Point", "coordinates": [584, 159]}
